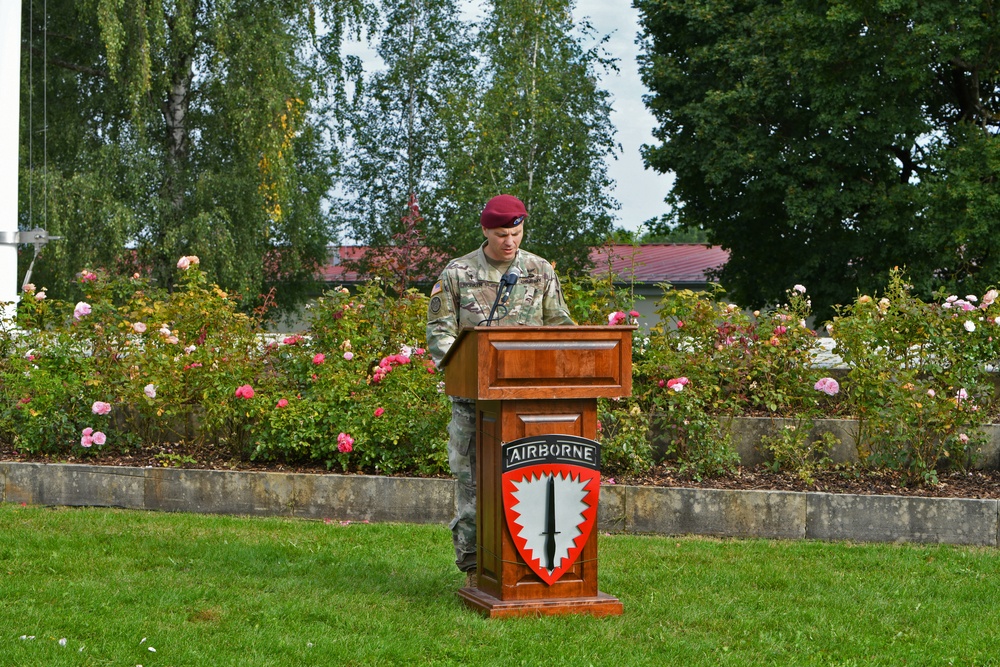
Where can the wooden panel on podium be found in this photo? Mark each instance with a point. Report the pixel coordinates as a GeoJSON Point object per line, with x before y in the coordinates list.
{"type": "Point", "coordinates": [531, 381]}
{"type": "Point", "coordinates": [502, 363]}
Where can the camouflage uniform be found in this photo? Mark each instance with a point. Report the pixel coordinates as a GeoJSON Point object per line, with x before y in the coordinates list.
{"type": "Point", "coordinates": [460, 299]}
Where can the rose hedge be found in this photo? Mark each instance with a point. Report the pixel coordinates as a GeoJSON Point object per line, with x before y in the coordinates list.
{"type": "Point", "coordinates": [131, 366]}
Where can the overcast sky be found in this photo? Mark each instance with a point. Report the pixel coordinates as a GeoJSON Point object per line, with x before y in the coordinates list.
{"type": "Point", "coordinates": [639, 191]}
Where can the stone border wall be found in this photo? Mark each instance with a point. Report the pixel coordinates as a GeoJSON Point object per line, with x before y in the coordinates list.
{"type": "Point", "coordinates": [623, 509]}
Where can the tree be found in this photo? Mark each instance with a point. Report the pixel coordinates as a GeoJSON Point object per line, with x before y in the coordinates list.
{"type": "Point", "coordinates": [542, 132]}
{"type": "Point", "coordinates": [404, 120]}
{"type": "Point", "coordinates": [825, 142]}
{"type": "Point", "coordinates": [184, 127]}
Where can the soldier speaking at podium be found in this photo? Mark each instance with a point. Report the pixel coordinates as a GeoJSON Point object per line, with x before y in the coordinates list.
{"type": "Point", "coordinates": [500, 284]}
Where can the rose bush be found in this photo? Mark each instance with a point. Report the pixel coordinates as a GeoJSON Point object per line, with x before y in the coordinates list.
{"type": "Point", "coordinates": [919, 382]}
{"type": "Point", "coordinates": [145, 367]}
{"type": "Point", "coordinates": [125, 365]}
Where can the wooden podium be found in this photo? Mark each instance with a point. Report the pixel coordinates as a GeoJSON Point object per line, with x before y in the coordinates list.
{"type": "Point", "coordinates": [533, 381]}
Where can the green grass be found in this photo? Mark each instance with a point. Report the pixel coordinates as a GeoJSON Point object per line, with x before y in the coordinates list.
{"type": "Point", "coordinates": [216, 590]}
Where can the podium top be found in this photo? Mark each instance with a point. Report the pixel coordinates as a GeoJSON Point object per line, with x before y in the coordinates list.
{"type": "Point", "coordinates": [514, 362]}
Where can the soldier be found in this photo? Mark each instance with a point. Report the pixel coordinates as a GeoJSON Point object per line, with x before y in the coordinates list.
{"type": "Point", "coordinates": [462, 298]}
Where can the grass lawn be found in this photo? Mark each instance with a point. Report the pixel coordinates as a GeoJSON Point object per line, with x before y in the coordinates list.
{"type": "Point", "coordinates": [105, 587]}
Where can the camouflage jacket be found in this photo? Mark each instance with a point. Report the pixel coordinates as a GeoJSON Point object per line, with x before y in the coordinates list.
{"type": "Point", "coordinates": [463, 295]}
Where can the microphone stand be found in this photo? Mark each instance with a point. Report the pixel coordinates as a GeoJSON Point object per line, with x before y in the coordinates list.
{"type": "Point", "coordinates": [507, 282]}
{"type": "Point", "coordinates": [496, 301]}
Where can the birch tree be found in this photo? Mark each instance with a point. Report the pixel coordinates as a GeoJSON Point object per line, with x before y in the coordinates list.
{"type": "Point", "coordinates": [179, 127]}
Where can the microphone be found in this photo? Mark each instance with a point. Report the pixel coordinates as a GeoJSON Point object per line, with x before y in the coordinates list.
{"type": "Point", "coordinates": [507, 282]}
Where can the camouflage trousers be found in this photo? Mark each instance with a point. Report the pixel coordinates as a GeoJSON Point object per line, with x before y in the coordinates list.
{"type": "Point", "coordinates": [462, 459]}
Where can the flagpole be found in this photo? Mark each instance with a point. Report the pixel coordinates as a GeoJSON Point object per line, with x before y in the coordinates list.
{"type": "Point", "coordinates": [10, 79]}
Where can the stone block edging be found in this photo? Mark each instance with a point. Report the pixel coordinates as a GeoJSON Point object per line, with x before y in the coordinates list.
{"type": "Point", "coordinates": [623, 509]}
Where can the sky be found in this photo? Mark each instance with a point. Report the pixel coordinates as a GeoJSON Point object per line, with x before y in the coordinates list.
{"type": "Point", "coordinates": [639, 191]}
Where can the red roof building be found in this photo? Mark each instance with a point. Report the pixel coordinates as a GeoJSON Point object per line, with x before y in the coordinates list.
{"type": "Point", "coordinates": [641, 267]}
{"type": "Point", "coordinates": [682, 264]}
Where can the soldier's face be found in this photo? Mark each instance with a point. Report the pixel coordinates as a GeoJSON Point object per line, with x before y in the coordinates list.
{"type": "Point", "coordinates": [502, 242]}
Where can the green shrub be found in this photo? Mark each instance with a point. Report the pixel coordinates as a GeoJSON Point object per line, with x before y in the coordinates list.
{"type": "Point", "coordinates": [188, 367]}
{"type": "Point", "coordinates": [708, 361]}
{"type": "Point", "coordinates": [917, 378]}
{"type": "Point", "coordinates": [360, 371]}
{"type": "Point", "coordinates": [131, 366]}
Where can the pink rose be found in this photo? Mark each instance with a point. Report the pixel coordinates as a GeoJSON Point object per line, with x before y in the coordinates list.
{"type": "Point", "coordinates": [379, 412]}
{"type": "Point", "coordinates": [345, 443]}
{"type": "Point", "coordinates": [244, 391]}
{"type": "Point", "coordinates": [139, 327]}
{"type": "Point", "coordinates": [828, 386]}
{"type": "Point", "coordinates": [677, 384]}
{"type": "Point", "coordinates": [292, 340]}
{"type": "Point", "coordinates": [633, 313]}
{"type": "Point", "coordinates": [319, 358]}
{"type": "Point", "coordinates": [100, 408]}
{"type": "Point", "coordinates": [88, 431]}
{"type": "Point", "coordinates": [86, 440]}
{"type": "Point", "coordinates": [82, 309]}
{"type": "Point", "coordinates": [183, 263]}
{"type": "Point", "coordinates": [149, 390]}
{"type": "Point", "coordinates": [99, 438]}
{"type": "Point", "coordinates": [28, 288]}
{"type": "Point", "coordinates": [616, 317]}
{"type": "Point", "coordinates": [348, 355]}
{"type": "Point", "coordinates": [282, 402]}
{"type": "Point", "coordinates": [40, 296]}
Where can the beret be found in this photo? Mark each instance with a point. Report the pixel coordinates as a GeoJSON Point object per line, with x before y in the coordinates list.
{"type": "Point", "coordinates": [503, 211]}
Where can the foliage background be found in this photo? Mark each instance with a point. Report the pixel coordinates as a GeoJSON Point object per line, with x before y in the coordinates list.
{"type": "Point", "coordinates": [241, 133]}
{"type": "Point", "coordinates": [824, 143]}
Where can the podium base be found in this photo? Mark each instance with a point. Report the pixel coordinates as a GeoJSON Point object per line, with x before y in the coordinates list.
{"type": "Point", "coordinates": [491, 607]}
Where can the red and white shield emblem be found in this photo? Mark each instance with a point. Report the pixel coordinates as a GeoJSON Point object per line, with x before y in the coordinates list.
{"type": "Point", "coordinates": [551, 486]}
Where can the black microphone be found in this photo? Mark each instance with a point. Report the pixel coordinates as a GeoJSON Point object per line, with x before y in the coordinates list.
{"type": "Point", "coordinates": [507, 282]}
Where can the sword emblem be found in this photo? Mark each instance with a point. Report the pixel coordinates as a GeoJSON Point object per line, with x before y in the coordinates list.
{"type": "Point", "coordinates": [550, 524]}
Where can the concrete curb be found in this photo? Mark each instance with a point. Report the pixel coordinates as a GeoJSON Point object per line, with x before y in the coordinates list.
{"type": "Point", "coordinates": [623, 509]}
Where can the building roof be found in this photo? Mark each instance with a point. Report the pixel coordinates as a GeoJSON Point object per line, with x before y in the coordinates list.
{"type": "Point", "coordinates": [651, 263]}
{"type": "Point", "coordinates": [659, 262]}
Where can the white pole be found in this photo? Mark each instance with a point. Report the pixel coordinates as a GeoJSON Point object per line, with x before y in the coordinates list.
{"type": "Point", "coordinates": [10, 94]}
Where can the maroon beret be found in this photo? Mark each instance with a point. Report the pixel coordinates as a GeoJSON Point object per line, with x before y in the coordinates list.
{"type": "Point", "coordinates": [503, 211]}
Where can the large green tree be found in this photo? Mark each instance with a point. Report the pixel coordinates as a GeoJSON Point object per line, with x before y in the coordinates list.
{"type": "Point", "coordinates": [158, 128]}
{"type": "Point", "coordinates": [824, 142]}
